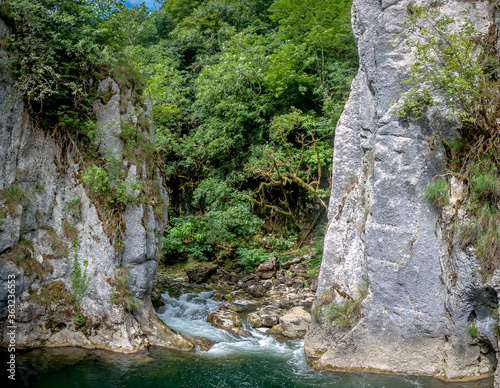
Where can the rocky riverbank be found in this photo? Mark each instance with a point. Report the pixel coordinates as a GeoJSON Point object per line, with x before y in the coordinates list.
{"type": "Point", "coordinates": [281, 295]}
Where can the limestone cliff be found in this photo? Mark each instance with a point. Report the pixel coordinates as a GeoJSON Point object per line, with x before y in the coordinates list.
{"type": "Point", "coordinates": [51, 228]}
{"type": "Point", "coordinates": [385, 244]}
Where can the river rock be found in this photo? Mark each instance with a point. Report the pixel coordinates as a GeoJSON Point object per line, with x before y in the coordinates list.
{"type": "Point", "coordinates": [298, 283]}
{"type": "Point", "coordinates": [230, 279]}
{"type": "Point", "coordinates": [255, 289]}
{"type": "Point", "coordinates": [229, 306]}
{"type": "Point", "coordinates": [268, 265]}
{"type": "Point", "coordinates": [306, 302]}
{"type": "Point", "coordinates": [286, 304]}
{"type": "Point", "coordinates": [276, 329]}
{"type": "Point", "coordinates": [299, 269]}
{"type": "Point", "coordinates": [289, 280]}
{"type": "Point", "coordinates": [295, 323]}
{"type": "Point", "coordinates": [228, 320]}
{"type": "Point", "coordinates": [248, 278]}
{"type": "Point", "coordinates": [202, 343]}
{"type": "Point", "coordinates": [237, 295]}
{"type": "Point", "coordinates": [281, 276]}
{"type": "Point", "coordinates": [295, 260]}
{"type": "Point", "coordinates": [267, 316]}
{"type": "Point", "coordinates": [201, 273]}
{"type": "Point", "coordinates": [255, 320]}
{"type": "Point", "coordinates": [218, 296]}
{"type": "Point", "coordinates": [225, 319]}
{"type": "Point", "coordinates": [267, 270]}
{"type": "Point", "coordinates": [267, 274]}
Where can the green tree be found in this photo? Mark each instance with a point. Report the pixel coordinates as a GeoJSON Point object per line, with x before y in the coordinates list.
{"type": "Point", "coordinates": [246, 99]}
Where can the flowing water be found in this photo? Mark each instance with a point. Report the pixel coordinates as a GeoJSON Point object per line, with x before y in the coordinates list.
{"type": "Point", "coordinates": [256, 361]}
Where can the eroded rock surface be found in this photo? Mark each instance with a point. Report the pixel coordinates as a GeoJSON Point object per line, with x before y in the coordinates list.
{"type": "Point", "coordinates": [295, 323]}
{"type": "Point", "coordinates": [54, 223]}
{"type": "Point", "coordinates": [423, 291]}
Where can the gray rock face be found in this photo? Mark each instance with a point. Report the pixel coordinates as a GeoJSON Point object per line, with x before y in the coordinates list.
{"type": "Point", "coordinates": [423, 292]}
{"type": "Point", "coordinates": [54, 221]}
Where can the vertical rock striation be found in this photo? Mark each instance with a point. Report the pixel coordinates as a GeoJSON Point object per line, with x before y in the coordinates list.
{"type": "Point", "coordinates": [50, 221]}
{"type": "Point", "coordinates": [423, 291]}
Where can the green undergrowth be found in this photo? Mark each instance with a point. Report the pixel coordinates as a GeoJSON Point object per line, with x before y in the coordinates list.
{"type": "Point", "coordinates": [122, 296]}
{"type": "Point", "coordinates": [79, 278]}
{"type": "Point", "coordinates": [204, 242]}
{"type": "Point", "coordinates": [346, 314]}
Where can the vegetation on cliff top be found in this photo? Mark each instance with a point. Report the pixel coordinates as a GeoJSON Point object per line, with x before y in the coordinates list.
{"type": "Point", "coordinates": [456, 63]}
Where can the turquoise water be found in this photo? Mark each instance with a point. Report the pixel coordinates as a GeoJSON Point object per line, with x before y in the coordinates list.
{"type": "Point", "coordinates": [257, 361]}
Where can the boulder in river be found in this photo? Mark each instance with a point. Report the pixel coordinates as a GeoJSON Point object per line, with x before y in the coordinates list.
{"type": "Point", "coordinates": [229, 306]}
{"type": "Point", "coordinates": [201, 273]}
{"type": "Point", "coordinates": [226, 319]}
{"type": "Point", "coordinates": [296, 322]}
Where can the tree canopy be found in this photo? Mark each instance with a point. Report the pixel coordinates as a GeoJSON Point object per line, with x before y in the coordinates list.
{"type": "Point", "coordinates": [246, 96]}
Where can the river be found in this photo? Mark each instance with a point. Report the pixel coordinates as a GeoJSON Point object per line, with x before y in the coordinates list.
{"type": "Point", "coordinates": [256, 361]}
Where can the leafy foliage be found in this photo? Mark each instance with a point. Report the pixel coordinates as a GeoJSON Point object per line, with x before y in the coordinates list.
{"type": "Point", "coordinates": [56, 46]}
{"type": "Point", "coordinates": [227, 222]}
{"type": "Point", "coordinates": [250, 257]}
{"type": "Point", "coordinates": [453, 62]}
{"type": "Point", "coordinates": [110, 184]}
{"type": "Point", "coordinates": [79, 279]}
{"type": "Point", "coordinates": [445, 61]}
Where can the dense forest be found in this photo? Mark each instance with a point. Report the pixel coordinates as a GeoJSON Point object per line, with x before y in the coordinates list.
{"type": "Point", "coordinates": [246, 96]}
